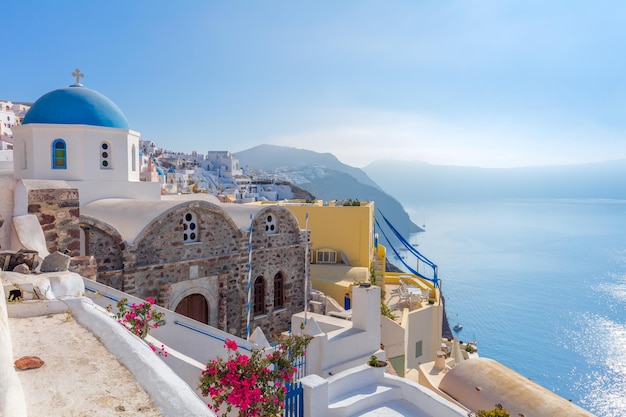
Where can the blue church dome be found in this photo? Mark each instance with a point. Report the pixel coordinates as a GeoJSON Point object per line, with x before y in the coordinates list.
{"type": "Point", "coordinates": [76, 105]}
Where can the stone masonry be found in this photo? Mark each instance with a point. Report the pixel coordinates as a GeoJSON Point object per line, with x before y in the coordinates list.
{"type": "Point", "coordinates": [57, 210]}
{"type": "Point", "coordinates": [160, 258]}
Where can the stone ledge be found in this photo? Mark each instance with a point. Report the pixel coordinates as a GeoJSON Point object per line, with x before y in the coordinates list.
{"type": "Point", "coordinates": [46, 286]}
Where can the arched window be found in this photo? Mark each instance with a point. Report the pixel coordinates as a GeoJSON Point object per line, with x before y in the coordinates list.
{"type": "Point", "coordinates": [278, 290]}
{"type": "Point", "coordinates": [105, 155]}
{"type": "Point", "coordinates": [190, 228]}
{"type": "Point", "coordinates": [25, 160]}
{"type": "Point", "coordinates": [59, 154]}
{"type": "Point", "coordinates": [259, 296]}
{"type": "Point", "coordinates": [133, 155]}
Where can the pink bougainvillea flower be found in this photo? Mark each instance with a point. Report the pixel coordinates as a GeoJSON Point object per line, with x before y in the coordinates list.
{"type": "Point", "coordinates": [254, 384]}
{"type": "Point", "coordinates": [231, 345]}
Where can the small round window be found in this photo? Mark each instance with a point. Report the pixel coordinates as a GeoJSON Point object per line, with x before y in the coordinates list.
{"type": "Point", "coordinates": [270, 225]}
{"type": "Point", "coordinates": [190, 233]}
{"type": "Point", "coordinates": [105, 155]}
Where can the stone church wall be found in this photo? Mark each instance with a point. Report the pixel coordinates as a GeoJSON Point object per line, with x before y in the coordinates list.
{"type": "Point", "coordinates": [161, 258]}
{"type": "Point", "coordinates": [106, 245]}
{"type": "Point", "coordinates": [104, 241]}
{"type": "Point", "coordinates": [288, 261]}
{"type": "Point", "coordinates": [57, 210]}
{"type": "Point", "coordinates": [163, 242]}
{"type": "Point", "coordinates": [273, 253]}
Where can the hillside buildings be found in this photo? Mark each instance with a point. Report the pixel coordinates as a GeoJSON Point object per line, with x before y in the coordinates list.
{"type": "Point", "coordinates": [217, 173]}
{"type": "Point", "coordinates": [11, 115]}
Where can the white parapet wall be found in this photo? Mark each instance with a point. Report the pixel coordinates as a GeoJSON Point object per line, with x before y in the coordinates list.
{"type": "Point", "coordinates": [170, 393]}
{"type": "Point", "coordinates": [351, 391]}
{"type": "Point", "coordinates": [12, 402]}
{"type": "Point", "coordinates": [190, 344]}
{"type": "Point", "coordinates": [340, 344]}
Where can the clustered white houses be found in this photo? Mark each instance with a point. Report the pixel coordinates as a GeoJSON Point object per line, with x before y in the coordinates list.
{"type": "Point", "coordinates": [11, 115]}
{"type": "Point", "coordinates": [83, 184]}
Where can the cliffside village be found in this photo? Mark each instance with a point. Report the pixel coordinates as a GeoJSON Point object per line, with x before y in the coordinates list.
{"type": "Point", "coordinates": [91, 213]}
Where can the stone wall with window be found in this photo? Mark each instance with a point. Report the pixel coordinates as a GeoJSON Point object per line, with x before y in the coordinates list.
{"type": "Point", "coordinates": [165, 254]}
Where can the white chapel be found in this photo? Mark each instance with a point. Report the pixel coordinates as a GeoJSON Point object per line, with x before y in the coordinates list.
{"type": "Point", "coordinates": [78, 135]}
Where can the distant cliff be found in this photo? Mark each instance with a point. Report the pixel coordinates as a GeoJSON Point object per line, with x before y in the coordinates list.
{"type": "Point", "coordinates": [324, 176]}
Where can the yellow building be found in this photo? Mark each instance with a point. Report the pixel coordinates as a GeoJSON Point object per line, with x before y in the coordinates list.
{"type": "Point", "coordinates": [343, 253]}
{"type": "Point", "coordinates": [342, 244]}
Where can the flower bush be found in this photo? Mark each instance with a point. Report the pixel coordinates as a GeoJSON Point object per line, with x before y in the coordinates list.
{"type": "Point", "coordinates": [160, 352]}
{"type": "Point", "coordinates": [254, 384]}
{"type": "Point", "coordinates": [140, 318]}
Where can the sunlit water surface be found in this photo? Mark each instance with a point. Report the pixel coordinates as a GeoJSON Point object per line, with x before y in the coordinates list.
{"type": "Point", "coordinates": [541, 285]}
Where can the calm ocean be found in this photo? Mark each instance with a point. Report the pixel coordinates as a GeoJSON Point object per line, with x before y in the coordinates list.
{"type": "Point", "coordinates": [541, 285]}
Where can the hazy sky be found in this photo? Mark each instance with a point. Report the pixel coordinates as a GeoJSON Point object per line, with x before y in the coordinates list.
{"type": "Point", "coordinates": [486, 83]}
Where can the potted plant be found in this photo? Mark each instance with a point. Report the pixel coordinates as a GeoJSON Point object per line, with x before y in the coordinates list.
{"type": "Point", "coordinates": [378, 366]}
{"type": "Point", "coordinates": [376, 363]}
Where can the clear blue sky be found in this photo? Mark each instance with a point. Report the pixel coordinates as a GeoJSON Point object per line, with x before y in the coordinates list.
{"type": "Point", "coordinates": [485, 83]}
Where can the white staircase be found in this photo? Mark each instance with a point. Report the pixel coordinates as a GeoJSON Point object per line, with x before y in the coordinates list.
{"type": "Point", "coordinates": [365, 397]}
{"type": "Point", "coordinates": [364, 391]}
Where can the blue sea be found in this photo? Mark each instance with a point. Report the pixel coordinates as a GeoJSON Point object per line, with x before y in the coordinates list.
{"type": "Point", "coordinates": [541, 285]}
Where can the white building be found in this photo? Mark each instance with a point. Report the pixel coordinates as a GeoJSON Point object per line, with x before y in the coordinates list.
{"type": "Point", "coordinates": [224, 163]}
{"type": "Point", "coordinates": [8, 118]}
{"type": "Point", "coordinates": [80, 136]}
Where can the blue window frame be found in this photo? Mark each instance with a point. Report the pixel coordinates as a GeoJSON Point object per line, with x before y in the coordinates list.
{"type": "Point", "coordinates": [59, 154]}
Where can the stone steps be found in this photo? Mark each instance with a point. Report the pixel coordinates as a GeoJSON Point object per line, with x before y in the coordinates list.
{"type": "Point", "coordinates": [378, 271]}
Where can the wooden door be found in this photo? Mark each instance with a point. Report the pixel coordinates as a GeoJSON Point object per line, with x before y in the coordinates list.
{"type": "Point", "coordinates": [194, 306]}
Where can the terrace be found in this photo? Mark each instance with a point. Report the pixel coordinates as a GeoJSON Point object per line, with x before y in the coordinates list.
{"type": "Point", "coordinates": [404, 291]}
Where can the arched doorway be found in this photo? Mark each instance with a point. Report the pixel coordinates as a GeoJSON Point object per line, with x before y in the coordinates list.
{"type": "Point", "coordinates": [194, 306]}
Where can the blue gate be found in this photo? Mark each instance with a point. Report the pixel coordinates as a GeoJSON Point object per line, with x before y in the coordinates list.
{"type": "Point", "coordinates": [294, 400]}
